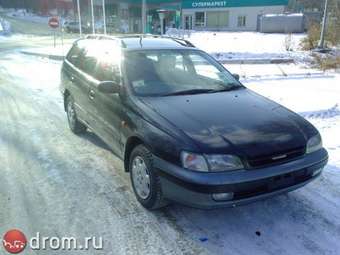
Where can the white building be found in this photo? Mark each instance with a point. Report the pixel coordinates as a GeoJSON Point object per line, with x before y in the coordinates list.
{"type": "Point", "coordinates": [228, 15]}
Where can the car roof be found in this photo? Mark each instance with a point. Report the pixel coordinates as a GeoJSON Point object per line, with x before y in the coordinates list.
{"type": "Point", "coordinates": [135, 42]}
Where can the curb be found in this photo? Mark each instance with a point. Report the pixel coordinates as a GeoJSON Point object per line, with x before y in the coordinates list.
{"type": "Point", "coordinates": [296, 76]}
{"type": "Point", "coordinates": [43, 55]}
{"type": "Point", "coordinates": [258, 61]}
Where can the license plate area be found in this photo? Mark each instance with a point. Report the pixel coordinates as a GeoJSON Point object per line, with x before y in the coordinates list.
{"type": "Point", "coordinates": [281, 181]}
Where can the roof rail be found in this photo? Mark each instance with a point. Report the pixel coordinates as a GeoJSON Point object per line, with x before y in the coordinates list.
{"type": "Point", "coordinates": [100, 37]}
{"type": "Point", "coordinates": [181, 41]}
{"type": "Point", "coordinates": [120, 37]}
{"type": "Point", "coordinates": [106, 37]}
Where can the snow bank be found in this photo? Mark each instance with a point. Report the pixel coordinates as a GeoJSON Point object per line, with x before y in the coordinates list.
{"type": "Point", "coordinates": [23, 14]}
{"type": "Point", "coordinates": [5, 27]}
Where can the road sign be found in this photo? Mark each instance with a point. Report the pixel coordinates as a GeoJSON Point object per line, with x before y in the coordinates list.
{"type": "Point", "coordinates": [53, 22]}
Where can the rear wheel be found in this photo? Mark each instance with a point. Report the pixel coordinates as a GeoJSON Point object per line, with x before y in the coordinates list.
{"type": "Point", "coordinates": [75, 125]}
{"type": "Point", "coordinates": [145, 180]}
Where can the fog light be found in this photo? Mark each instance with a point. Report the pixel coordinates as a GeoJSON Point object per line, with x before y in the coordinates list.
{"type": "Point", "coordinates": [316, 172]}
{"type": "Point", "coordinates": [223, 196]}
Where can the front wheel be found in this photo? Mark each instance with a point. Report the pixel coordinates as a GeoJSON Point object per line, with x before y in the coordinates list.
{"type": "Point", "coordinates": [145, 181]}
{"type": "Point", "coordinates": [75, 125]}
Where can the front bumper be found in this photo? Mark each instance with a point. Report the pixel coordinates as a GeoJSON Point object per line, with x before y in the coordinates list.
{"type": "Point", "coordinates": [196, 188]}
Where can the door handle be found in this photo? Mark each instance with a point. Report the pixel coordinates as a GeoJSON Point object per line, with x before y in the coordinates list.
{"type": "Point", "coordinates": [91, 94]}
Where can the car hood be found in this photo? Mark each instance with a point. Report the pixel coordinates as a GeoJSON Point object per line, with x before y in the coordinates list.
{"type": "Point", "coordinates": [240, 121]}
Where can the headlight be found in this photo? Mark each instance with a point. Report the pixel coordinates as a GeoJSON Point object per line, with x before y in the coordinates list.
{"type": "Point", "coordinates": [314, 144]}
{"type": "Point", "coordinates": [213, 163]}
{"type": "Point", "coordinates": [194, 161]}
{"type": "Point", "coordinates": [223, 163]}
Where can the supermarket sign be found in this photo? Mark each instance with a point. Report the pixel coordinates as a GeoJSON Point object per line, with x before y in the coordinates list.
{"type": "Point", "coordinates": [209, 4]}
{"type": "Point", "coordinates": [188, 4]}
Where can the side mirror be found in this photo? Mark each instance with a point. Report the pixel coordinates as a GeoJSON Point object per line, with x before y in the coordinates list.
{"type": "Point", "coordinates": [108, 87]}
{"type": "Point", "coordinates": [236, 76]}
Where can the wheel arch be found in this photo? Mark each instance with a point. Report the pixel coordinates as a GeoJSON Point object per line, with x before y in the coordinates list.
{"type": "Point", "coordinates": [131, 143]}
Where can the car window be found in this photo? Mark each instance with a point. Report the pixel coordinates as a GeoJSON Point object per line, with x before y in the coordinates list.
{"type": "Point", "coordinates": [108, 65]}
{"type": "Point", "coordinates": [89, 62]}
{"type": "Point", "coordinates": [100, 59]}
{"type": "Point", "coordinates": [74, 55]}
{"type": "Point", "coordinates": [163, 72]}
{"type": "Point", "coordinates": [108, 71]}
{"type": "Point", "coordinates": [204, 68]}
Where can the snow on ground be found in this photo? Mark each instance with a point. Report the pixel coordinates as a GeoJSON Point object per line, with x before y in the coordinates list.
{"type": "Point", "coordinates": [247, 45]}
{"type": "Point", "coordinates": [37, 77]}
{"type": "Point", "coordinates": [272, 71]}
{"type": "Point", "coordinates": [28, 16]}
{"type": "Point", "coordinates": [5, 27]}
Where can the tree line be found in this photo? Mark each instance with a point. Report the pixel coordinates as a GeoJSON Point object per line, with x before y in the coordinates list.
{"type": "Point", "coordinates": [32, 5]}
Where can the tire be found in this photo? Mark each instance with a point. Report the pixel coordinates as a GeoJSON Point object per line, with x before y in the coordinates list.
{"type": "Point", "coordinates": [154, 198]}
{"type": "Point", "coordinates": [75, 125]}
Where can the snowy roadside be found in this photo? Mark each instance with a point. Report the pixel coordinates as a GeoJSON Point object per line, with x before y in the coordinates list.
{"type": "Point", "coordinates": [249, 46]}
{"type": "Point", "coordinates": [24, 15]}
{"type": "Point", "coordinates": [5, 27]}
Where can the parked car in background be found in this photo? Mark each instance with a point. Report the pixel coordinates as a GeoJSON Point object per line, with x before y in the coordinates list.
{"type": "Point", "coordinates": [73, 27]}
{"type": "Point", "coordinates": [187, 129]}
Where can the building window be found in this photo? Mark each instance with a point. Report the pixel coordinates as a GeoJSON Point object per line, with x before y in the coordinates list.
{"type": "Point", "coordinates": [217, 19]}
{"type": "Point", "coordinates": [241, 21]}
{"type": "Point", "coordinates": [199, 19]}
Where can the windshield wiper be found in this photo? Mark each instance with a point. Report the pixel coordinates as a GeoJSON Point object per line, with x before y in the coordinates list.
{"type": "Point", "coordinates": [231, 88]}
{"type": "Point", "coordinates": [189, 92]}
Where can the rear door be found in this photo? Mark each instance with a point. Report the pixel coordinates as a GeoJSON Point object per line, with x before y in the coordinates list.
{"type": "Point", "coordinates": [73, 79]}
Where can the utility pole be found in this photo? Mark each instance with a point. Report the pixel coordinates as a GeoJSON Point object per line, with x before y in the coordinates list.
{"type": "Point", "coordinates": [79, 18]}
{"type": "Point", "coordinates": [143, 16]}
{"type": "Point", "coordinates": [104, 17]}
{"type": "Point", "coordinates": [323, 29]}
{"type": "Point", "coordinates": [92, 16]}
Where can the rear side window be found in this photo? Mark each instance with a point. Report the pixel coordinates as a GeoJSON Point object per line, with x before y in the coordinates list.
{"type": "Point", "coordinates": [109, 59]}
{"type": "Point", "coordinates": [108, 68]}
{"type": "Point", "coordinates": [100, 59]}
{"type": "Point", "coordinates": [74, 55]}
{"type": "Point", "coordinates": [89, 63]}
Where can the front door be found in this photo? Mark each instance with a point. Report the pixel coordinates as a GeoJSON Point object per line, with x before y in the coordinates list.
{"type": "Point", "coordinates": [109, 111]}
{"type": "Point", "coordinates": [108, 108]}
{"type": "Point", "coordinates": [188, 22]}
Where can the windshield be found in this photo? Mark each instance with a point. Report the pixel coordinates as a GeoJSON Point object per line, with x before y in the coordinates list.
{"type": "Point", "coordinates": [175, 72]}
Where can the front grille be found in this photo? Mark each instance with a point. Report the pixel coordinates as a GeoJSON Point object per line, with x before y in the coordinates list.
{"type": "Point", "coordinates": [276, 158]}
